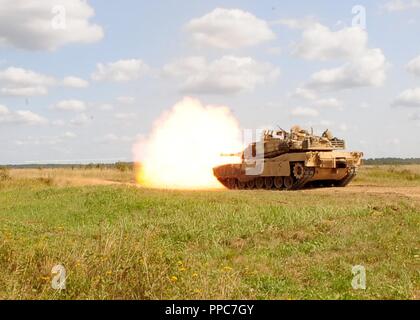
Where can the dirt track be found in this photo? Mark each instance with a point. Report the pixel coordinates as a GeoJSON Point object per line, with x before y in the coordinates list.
{"type": "Point", "coordinates": [80, 181]}
{"type": "Point", "coordinates": [412, 192]}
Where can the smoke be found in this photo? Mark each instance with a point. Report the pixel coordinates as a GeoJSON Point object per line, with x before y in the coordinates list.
{"type": "Point", "coordinates": [184, 145]}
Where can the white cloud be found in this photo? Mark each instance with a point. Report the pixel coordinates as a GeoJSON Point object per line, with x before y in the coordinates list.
{"type": "Point", "coordinates": [414, 66]}
{"type": "Point", "coordinates": [70, 105]}
{"type": "Point", "coordinates": [226, 75]}
{"type": "Point", "coordinates": [343, 127]}
{"type": "Point", "coordinates": [320, 43]}
{"type": "Point", "coordinates": [275, 51]}
{"type": "Point", "coordinates": [33, 25]}
{"type": "Point", "coordinates": [28, 117]}
{"type": "Point", "coordinates": [113, 138]}
{"type": "Point", "coordinates": [408, 98]}
{"type": "Point", "coordinates": [304, 23]}
{"type": "Point", "coordinates": [331, 125]}
{"type": "Point", "coordinates": [126, 100]}
{"type": "Point", "coordinates": [124, 116]}
{"type": "Point", "coordinates": [24, 92]}
{"type": "Point", "coordinates": [229, 28]}
{"type": "Point", "coordinates": [15, 81]}
{"type": "Point", "coordinates": [46, 140]}
{"type": "Point", "coordinates": [363, 66]}
{"type": "Point", "coordinates": [58, 123]}
{"type": "Point", "coordinates": [366, 70]}
{"type": "Point", "coordinates": [304, 93]}
{"type": "Point", "coordinates": [328, 103]}
{"type": "Point", "coordinates": [37, 141]}
{"type": "Point", "coordinates": [364, 105]}
{"type": "Point", "coordinates": [20, 117]}
{"type": "Point", "coordinates": [3, 110]}
{"type": "Point", "coordinates": [22, 82]}
{"type": "Point", "coordinates": [106, 107]}
{"type": "Point", "coordinates": [394, 141]}
{"type": "Point", "coordinates": [75, 82]}
{"type": "Point", "coordinates": [120, 71]}
{"type": "Point", "coordinates": [401, 5]}
{"type": "Point", "coordinates": [414, 116]}
{"type": "Point", "coordinates": [326, 123]}
{"type": "Point", "coordinates": [81, 120]}
{"type": "Point", "coordinates": [69, 135]}
{"type": "Point", "coordinates": [304, 112]}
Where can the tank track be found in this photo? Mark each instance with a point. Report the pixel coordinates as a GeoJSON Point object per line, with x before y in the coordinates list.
{"type": "Point", "coordinates": [307, 176]}
{"type": "Point", "coordinates": [297, 185]}
{"type": "Point", "coordinates": [225, 182]}
{"type": "Point", "coordinates": [350, 176]}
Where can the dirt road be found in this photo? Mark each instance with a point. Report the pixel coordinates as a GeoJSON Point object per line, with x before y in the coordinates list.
{"type": "Point", "coordinates": [412, 192]}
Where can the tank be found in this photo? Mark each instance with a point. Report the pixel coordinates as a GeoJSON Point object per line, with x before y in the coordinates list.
{"type": "Point", "coordinates": [291, 161]}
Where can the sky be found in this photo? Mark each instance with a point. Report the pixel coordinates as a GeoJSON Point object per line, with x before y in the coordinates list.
{"type": "Point", "coordinates": [81, 81]}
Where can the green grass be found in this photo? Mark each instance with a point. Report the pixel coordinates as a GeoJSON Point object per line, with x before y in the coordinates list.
{"type": "Point", "coordinates": [123, 242]}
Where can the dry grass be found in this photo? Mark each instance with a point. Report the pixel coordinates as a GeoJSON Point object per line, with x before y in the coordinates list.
{"type": "Point", "coordinates": [77, 176]}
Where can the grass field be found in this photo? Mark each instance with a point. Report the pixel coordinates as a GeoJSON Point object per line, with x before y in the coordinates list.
{"type": "Point", "coordinates": [119, 241]}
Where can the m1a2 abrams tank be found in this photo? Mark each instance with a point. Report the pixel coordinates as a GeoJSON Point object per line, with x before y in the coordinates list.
{"type": "Point", "coordinates": [291, 160]}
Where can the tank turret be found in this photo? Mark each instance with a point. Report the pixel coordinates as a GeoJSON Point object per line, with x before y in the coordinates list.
{"type": "Point", "coordinates": [275, 143]}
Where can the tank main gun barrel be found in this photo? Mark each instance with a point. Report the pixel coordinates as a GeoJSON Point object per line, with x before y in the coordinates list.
{"type": "Point", "coordinates": [238, 154]}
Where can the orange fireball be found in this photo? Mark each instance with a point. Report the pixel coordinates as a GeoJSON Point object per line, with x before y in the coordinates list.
{"type": "Point", "coordinates": [186, 142]}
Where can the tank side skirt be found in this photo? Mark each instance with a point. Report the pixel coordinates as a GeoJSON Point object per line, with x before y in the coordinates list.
{"type": "Point", "coordinates": [350, 176]}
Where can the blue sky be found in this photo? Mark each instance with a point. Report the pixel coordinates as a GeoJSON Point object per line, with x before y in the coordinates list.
{"type": "Point", "coordinates": [377, 111]}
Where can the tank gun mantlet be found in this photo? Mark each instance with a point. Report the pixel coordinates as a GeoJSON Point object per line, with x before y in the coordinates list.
{"type": "Point", "coordinates": [311, 159]}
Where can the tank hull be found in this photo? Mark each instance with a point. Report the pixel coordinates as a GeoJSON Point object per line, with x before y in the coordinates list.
{"type": "Point", "coordinates": [292, 171]}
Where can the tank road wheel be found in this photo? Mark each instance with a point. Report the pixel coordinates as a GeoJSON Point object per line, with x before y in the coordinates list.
{"type": "Point", "coordinates": [231, 183]}
{"type": "Point", "coordinates": [250, 184]}
{"type": "Point", "coordinates": [298, 171]}
{"type": "Point", "coordinates": [278, 182]}
{"type": "Point", "coordinates": [268, 182]}
{"type": "Point", "coordinates": [288, 182]}
{"type": "Point", "coordinates": [241, 185]}
{"type": "Point", "coordinates": [259, 183]}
